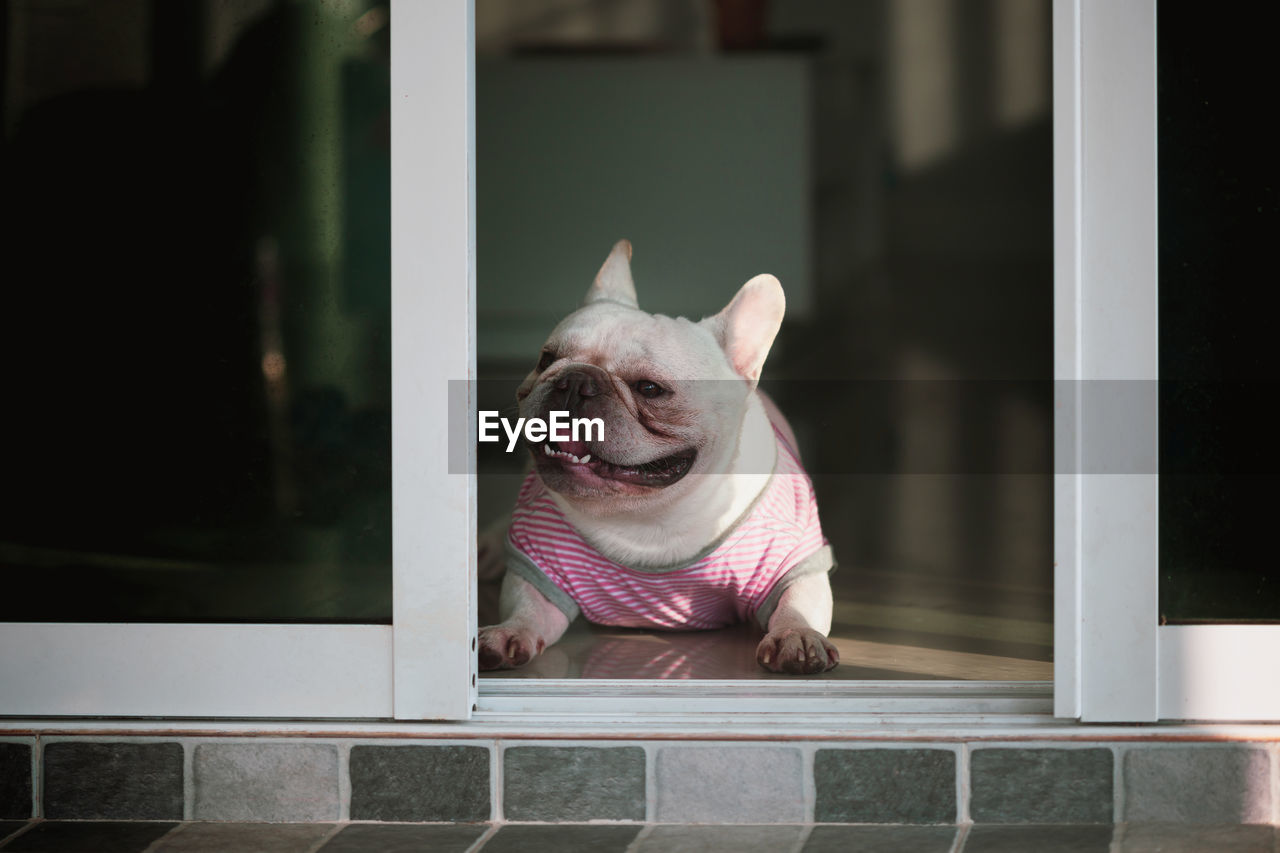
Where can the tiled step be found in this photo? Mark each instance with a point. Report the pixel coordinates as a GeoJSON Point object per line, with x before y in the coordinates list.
{"type": "Point", "coordinates": [314, 779]}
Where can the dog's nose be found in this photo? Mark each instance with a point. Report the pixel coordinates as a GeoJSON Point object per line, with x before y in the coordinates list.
{"type": "Point", "coordinates": [578, 383]}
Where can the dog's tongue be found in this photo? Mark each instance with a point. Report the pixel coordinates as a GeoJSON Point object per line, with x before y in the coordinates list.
{"type": "Point", "coordinates": [577, 448]}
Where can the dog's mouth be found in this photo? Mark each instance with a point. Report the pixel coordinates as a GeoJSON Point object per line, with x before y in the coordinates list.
{"type": "Point", "coordinates": [574, 457]}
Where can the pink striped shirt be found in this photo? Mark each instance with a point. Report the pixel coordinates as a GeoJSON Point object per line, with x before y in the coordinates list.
{"type": "Point", "coordinates": [740, 577]}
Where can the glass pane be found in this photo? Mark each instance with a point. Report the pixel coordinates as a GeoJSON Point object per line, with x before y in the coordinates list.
{"type": "Point", "coordinates": [196, 326]}
{"type": "Point", "coordinates": [891, 163]}
{"type": "Point", "coordinates": [1218, 180]}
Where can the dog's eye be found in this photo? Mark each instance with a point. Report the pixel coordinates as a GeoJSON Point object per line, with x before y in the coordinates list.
{"type": "Point", "coordinates": [649, 388]}
{"type": "Point", "coordinates": [545, 360]}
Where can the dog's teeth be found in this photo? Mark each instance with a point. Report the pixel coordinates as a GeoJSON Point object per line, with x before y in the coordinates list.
{"type": "Point", "coordinates": [564, 454]}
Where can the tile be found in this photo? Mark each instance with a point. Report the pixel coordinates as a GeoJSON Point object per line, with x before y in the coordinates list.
{"type": "Point", "coordinates": [15, 780]}
{"type": "Point", "coordinates": [113, 781]}
{"type": "Point", "coordinates": [880, 839]}
{"type": "Point", "coordinates": [564, 838]}
{"type": "Point", "coordinates": [744, 784]}
{"type": "Point", "coordinates": [1182, 838]}
{"type": "Point", "coordinates": [1198, 784]}
{"type": "Point", "coordinates": [405, 838]}
{"type": "Point", "coordinates": [258, 837]}
{"type": "Point", "coordinates": [719, 839]}
{"type": "Point", "coordinates": [1041, 786]}
{"type": "Point", "coordinates": [88, 837]}
{"type": "Point", "coordinates": [1062, 838]}
{"type": "Point", "coordinates": [265, 781]}
{"type": "Point", "coordinates": [573, 784]}
{"type": "Point", "coordinates": [885, 785]}
{"type": "Point", "coordinates": [420, 783]}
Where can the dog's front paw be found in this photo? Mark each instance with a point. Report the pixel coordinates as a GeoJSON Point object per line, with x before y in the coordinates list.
{"type": "Point", "coordinates": [501, 647]}
{"type": "Point", "coordinates": [796, 650]}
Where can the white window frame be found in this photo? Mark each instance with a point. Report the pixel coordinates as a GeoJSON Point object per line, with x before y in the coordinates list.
{"type": "Point", "coordinates": [1113, 663]}
{"type": "Point", "coordinates": [422, 666]}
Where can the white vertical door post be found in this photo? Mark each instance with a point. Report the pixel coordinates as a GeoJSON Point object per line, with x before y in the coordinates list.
{"type": "Point", "coordinates": [1066, 357]}
{"type": "Point", "coordinates": [433, 342]}
{"type": "Point", "coordinates": [1106, 349]}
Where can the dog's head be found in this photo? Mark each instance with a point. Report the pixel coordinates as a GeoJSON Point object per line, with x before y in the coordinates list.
{"type": "Point", "coordinates": [672, 393]}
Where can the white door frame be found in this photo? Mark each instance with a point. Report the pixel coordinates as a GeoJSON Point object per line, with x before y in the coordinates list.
{"type": "Point", "coordinates": [433, 339]}
{"type": "Point", "coordinates": [1105, 340]}
{"type": "Point", "coordinates": [422, 667]}
{"type": "Point", "coordinates": [1113, 661]}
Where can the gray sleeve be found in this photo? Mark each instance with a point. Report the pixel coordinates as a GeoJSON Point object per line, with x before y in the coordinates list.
{"type": "Point", "coordinates": [519, 564]}
{"type": "Point", "coordinates": [821, 561]}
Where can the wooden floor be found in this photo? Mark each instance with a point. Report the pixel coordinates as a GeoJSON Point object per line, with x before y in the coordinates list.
{"type": "Point", "coordinates": [886, 625]}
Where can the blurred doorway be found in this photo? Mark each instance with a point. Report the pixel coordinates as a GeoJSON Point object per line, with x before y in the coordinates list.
{"type": "Point", "coordinates": [891, 162]}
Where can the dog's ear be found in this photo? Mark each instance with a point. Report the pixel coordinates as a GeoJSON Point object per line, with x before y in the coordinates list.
{"type": "Point", "coordinates": [748, 324]}
{"type": "Point", "coordinates": [613, 282]}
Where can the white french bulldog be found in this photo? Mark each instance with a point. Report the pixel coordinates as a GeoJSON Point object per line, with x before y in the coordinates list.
{"type": "Point", "coordinates": [692, 510]}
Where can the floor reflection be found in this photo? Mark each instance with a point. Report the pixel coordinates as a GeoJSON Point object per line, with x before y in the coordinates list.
{"type": "Point", "coordinates": [884, 630]}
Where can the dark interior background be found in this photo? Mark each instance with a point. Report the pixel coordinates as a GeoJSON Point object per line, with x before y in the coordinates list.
{"type": "Point", "coordinates": [195, 205]}
{"type": "Point", "coordinates": [195, 324]}
{"type": "Point", "coordinates": [1219, 200]}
